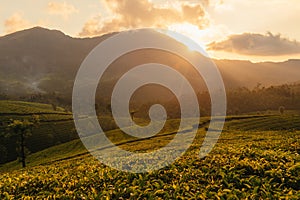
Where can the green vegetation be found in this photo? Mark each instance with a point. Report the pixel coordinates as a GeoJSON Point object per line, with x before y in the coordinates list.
{"type": "Point", "coordinates": [22, 130]}
{"type": "Point", "coordinates": [55, 127]}
{"type": "Point", "coordinates": [48, 156]}
{"type": "Point", "coordinates": [266, 123]}
{"type": "Point", "coordinates": [255, 158]}
{"type": "Point", "coordinates": [22, 107]}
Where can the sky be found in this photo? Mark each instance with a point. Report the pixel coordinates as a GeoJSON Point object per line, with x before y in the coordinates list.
{"type": "Point", "coordinates": [256, 30]}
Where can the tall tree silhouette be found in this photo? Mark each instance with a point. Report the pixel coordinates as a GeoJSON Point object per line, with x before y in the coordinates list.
{"type": "Point", "coordinates": [22, 130]}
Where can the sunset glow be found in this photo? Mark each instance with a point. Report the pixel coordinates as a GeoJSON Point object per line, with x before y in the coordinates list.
{"type": "Point", "coordinates": [204, 21]}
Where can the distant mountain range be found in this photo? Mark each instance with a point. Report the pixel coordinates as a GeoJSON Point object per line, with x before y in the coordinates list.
{"type": "Point", "coordinates": [42, 60]}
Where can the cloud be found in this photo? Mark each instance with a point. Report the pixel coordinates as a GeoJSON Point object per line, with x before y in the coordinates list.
{"type": "Point", "coordinates": [62, 9]}
{"type": "Point", "coordinates": [143, 13]}
{"type": "Point", "coordinates": [15, 23]}
{"type": "Point", "coordinates": [220, 6]}
{"type": "Point", "coordinates": [257, 44]}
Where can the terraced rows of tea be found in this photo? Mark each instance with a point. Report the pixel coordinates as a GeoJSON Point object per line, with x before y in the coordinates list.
{"type": "Point", "coordinates": [266, 123]}
{"type": "Point", "coordinates": [55, 126]}
{"type": "Point", "coordinates": [26, 108]}
{"type": "Point", "coordinates": [256, 157]}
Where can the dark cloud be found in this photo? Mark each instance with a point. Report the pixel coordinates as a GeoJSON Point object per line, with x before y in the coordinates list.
{"type": "Point", "coordinates": [143, 13]}
{"type": "Point", "coordinates": [257, 44]}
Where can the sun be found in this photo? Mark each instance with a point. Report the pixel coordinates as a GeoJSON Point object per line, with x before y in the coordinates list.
{"type": "Point", "coordinates": [190, 31]}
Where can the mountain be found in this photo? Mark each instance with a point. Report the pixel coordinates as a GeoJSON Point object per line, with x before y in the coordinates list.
{"type": "Point", "coordinates": [245, 73]}
{"type": "Point", "coordinates": [46, 61]}
{"type": "Point", "coordinates": [38, 57]}
{"type": "Point", "coordinates": [38, 50]}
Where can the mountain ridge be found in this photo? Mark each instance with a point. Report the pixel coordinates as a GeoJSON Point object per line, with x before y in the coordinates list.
{"type": "Point", "coordinates": [61, 33]}
{"type": "Point", "coordinates": [40, 59]}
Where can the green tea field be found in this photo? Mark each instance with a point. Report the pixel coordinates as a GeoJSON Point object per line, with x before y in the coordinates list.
{"type": "Point", "coordinates": [256, 157]}
{"type": "Point", "coordinates": [55, 127]}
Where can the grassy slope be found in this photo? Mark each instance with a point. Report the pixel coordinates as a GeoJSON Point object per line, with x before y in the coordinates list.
{"type": "Point", "coordinates": [22, 107]}
{"type": "Point", "coordinates": [55, 126]}
{"type": "Point", "coordinates": [237, 123]}
{"type": "Point", "coordinates": [255, 157]}
{"type": "Point", "coordinates": [256, 164]}
{"type": "Point", "coordinates": [75, 148]}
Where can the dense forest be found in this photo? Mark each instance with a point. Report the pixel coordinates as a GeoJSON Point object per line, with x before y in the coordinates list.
{"type": "Point", "coordinates": [239, 100]}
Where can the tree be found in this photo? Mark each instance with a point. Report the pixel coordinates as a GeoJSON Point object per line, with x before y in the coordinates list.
{"type": "Point", "coordinates": [23, 129]}
{"type": "Point", "coordinates": [281, 110]}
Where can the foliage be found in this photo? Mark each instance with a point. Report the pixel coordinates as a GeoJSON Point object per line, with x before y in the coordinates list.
{"type": "Point", "coordinates": [240, 100]}
{"type": "Point", "coordinates": [245, 164]}
{"type": "Point", "coordinates": [244, 100]}
{"type": "Point", "coordinates": [22, 130]}
{"type": "Point", "coordinates": [281, 110]}
{"type": "Point", "coordinates": [54, 127]}
{"type": "Point", "coordinates": [22, 107]}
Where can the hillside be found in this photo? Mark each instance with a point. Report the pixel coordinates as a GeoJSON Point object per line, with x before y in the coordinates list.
{"type": "Point", "coordinates": [23, 108]}
{"type": "Point", "coordinates": [247, 74]}
{"type": "Point", "coordinates": [55, 127]}
{"type": "Point", "coordinates": [253, 161]}
{"type": "Point", "coordinates": [42, 60]}
{"type": "Point", "coordinates": [289, 122]}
